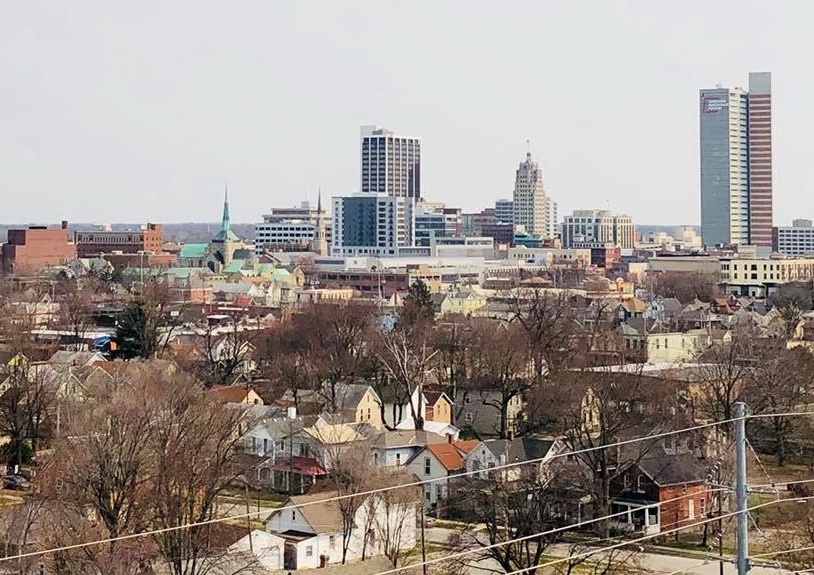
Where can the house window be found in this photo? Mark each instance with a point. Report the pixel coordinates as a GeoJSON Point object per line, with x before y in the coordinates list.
{"type": "Point", "coordinates": [398, 458]}
{"type": "Point", "coordinates": [332, 541]}
{"type": "Point", "coordinates": [368, 414]}
{"type": "Point", "coordinates": [427, 466]}
{"type": "Point", "coordinates": [293, 516]}
{"type": "Point", "coordinates": [640, 483]}
{"type": "Point", "coordinates": [309, 550]}
{"type": "Point", "coordinates": [427, 493]}
{"type": "Point", "coordinates": [438, 491]}
{"type": "Point", "coordinates": [375, 459]}
{"type": "Point", "coordinates": [265, 446]}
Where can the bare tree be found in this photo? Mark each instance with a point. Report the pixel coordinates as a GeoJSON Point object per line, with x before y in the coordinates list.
{"type": "Point", "coordinates": [194, 441]}
{"type": "Point", "coordinates": [227, 351]}
{"type": "Point", "coordinates": [502, 366]}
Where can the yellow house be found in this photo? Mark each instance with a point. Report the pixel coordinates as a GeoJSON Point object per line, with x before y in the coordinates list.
{"type": "Point", "coordinates": [464, 302]}
{"type": "Point", "coordinates": [359, 402]}
{"type": "Point", "coordinates": [676, 347]}
{"type": "Point", "coordinates": [439, 405]}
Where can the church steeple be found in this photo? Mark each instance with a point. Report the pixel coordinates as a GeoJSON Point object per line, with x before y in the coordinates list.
{"type": "Point", "coordinates": [226, 232]}
{"type": "Point", "coordinates": [226, 223]}
{"type": "Point", "coordinates": [319, 243]}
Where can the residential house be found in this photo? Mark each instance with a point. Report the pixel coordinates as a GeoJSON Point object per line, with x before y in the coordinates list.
{"type": "Point", "coordinates": [660, 476]}
{"type": "Point", "coordinates": [476, 410]}
{"type": "Point", "coordinates": [438, 404]}
{"type": "Point", "coordinates": [463, 302]}
{"type": "Point", "coordinates": [236, 394]}
{"type": "Point", "coordinates": [313, 529]}
{"type": "Point", "coordinates": [394, 448]}
{"type": "Point", "coordinates": [359, 403]}
{"type": "Point", "coordinates": [434, 405]}
{"type": "Point", "coordinates": [328, 443]}
{"type": "Point", "coordinates": [498, 452]}
{"type": "Point", "coordinates": [662, 309]}
{"type": "Point", "coordinates": [260, 548]}
{"type": "Point", "coordinates": [676, 347]}
{"type": "Point", "coordinates": [438, 462]}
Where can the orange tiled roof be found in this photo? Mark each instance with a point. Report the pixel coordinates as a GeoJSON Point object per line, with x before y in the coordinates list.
{"type": "Point", "coordinates": [450, 455]}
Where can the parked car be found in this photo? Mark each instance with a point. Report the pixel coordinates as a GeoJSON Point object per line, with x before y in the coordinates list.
{"type": "Point", "coordinates": [17, 482]}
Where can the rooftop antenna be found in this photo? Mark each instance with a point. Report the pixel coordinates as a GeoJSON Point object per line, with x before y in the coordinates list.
{"type": "Point", "coordinates": [528, 148]}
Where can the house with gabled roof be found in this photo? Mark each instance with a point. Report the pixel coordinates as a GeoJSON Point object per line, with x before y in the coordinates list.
{"type": "Point", "coordinates": [440, 462]}
{"type": "Point", "coordinates": [314, 529]}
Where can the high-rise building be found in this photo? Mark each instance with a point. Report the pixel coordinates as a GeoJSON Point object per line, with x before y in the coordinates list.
{"type": "Point", "coordinates": [530, 205]}
{"type": "Point", "coordinates": [375, 224]}
{"type": "Point", "coordinates": [391, 163]}
{"type": "Point", "coordinates": [736, 164]}
{"type": "Point", "coordinates": [585, 228]}
{"type": "Point", "coordinates": [504, 211]}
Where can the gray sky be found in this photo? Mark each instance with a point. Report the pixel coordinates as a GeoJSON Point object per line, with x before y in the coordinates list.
{"type": "Point", "coordinates": [136, 111]}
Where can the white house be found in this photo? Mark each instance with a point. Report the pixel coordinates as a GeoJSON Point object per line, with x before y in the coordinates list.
{"type": "Point", "coordinates": [438, 462]}
{"type": "Point", "coordinates": [499, 452]}
{"type": "Point", "coordinates": [313, 529]}
{"type": "Point", "coordinates": [266, 549]}
{"type": "Point", "coordinates": [395, 448]}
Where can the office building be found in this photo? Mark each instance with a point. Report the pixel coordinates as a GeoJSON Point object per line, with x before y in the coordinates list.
{"type": "Point", "coordinates": [504, 211]}
{"type": "Point", "coordinates": [736, 164]}
{"type": "Point", "coordinates": [794, 240]}
{"type": "Point", "coordinates": [150, 238]}
{"type": "Point", "coordinates": [368, 223]}
{"type": "Point", "coordinates": [293, 229]}
{"type": "Point", "coordinates": [552, 215]}
{"type": "Point", "coordinates": [391, 163]}
{"type": "Point", "coordinates": [436, 221]}
{"type": "Point", "coordinates": [473, 223]}
{"type": "Point", "coordinates": [760, 277]}
{"type": "Point", "coordinates": [530, 205]}
{"type": "Point", "coordinates": [34, 248]}
{"type": "Point", "coordinates": [588, 228]}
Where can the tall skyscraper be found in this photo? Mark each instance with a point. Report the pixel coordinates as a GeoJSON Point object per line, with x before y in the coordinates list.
{"type": "Point", "coordinates": [736, 164]}
{"type": "Point", "coordinates": [391, 163]}
{"type": "Point", "coordinates": [530, 205]}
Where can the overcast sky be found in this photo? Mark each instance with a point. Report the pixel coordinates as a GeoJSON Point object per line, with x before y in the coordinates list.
{"type": "Point", "coordinates": [137, 111]}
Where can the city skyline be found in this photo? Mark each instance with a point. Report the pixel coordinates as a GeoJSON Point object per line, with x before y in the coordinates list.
{"type": "Point", "coordinates": [90, 111]}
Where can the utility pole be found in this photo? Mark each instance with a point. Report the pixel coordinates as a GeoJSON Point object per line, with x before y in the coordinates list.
{"type": "Point", "coordinates": [741, 492]}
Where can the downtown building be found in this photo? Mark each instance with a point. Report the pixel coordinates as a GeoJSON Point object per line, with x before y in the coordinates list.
{"type": "Point", "coordinates": [598, 228]}
{"type": "Point", "coordinates": [736, 164]}
{"type": "Point", "coordinates": [534, 212]}
{"type": "Point", "coordinates": [375, 224]}
{"type": "Point", "coordinates": [293, 229]}
{"type": "Point", "coordinates": [391, 163]}
{"type": "Point", "coordinates": [795, 240]}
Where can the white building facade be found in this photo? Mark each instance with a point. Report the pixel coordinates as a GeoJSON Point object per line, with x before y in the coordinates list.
{"type": "Point", "coordinates": [391, 163]}
{"type": "Point", "coordinates": [530, 203]}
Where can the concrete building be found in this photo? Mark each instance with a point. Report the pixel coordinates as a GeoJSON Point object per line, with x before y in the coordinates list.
{"type": "Point", "coordinates": [150, 238]}
{"type": "Point", "coordinates": [292, 229]}
{"type": "Point", "coordinates": [473, 223]}
{"type": "Point", "coordinates": [372, 224]}
{"type": "Point", "coordinates": [504, 211]}
{"type": "Point", "coordinates": [530, 204]}
{"type": "Point", "coordinates": [584, 227]}
{"type": "Point", "coordinates": [551, 256]}
{"type": "Point", "coordinates": [34, 248]}
{"type": "Point", "coordinates": [794, 240]}
{"type": "Point", "coordinates": [755, 277]}
{"type": "Point", "coordinates": [553, 218]}
{"type": "Point", "coordinates": [736, 164]}
{"type": "Point", "coordinates": [436, 221]}
{"type": "Point", "coordinates": [391, 163]}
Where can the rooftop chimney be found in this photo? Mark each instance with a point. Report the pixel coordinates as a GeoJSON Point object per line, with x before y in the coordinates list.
{"type": "Point", "coordinates": [64, 224]}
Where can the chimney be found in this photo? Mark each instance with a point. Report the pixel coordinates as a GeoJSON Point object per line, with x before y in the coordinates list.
{"type": "Point", "coordinates": [449, 438]}
{"type": "Point", "coordinates": [64, 224]}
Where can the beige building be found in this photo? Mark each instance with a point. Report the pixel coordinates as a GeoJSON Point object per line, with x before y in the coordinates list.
{"type": "Point", "coordinates": [756, 277]}
{"type": "Point", "coordinates": [550, 256]}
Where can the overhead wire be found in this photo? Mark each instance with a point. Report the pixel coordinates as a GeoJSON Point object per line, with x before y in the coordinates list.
{"type": "Point", "coordinates": [400, 486]}
{"type": "Point", "coordinates": [366, 493]}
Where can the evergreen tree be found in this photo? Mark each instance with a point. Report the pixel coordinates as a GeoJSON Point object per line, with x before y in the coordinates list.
{"type": "Point", "coordinates": [137, 331]}
{"type": "Point", "coordinates": [418, 306]}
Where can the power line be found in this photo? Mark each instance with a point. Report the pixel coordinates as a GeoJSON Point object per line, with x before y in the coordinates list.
{"type": "Point", "coordinates": [653, 536]}
{"type": "Point", "coordinates": [399, 486]}
{"type": "Point", "coordinates": [363, 493]}
{"type": "Point", "coordinates": [540, 534]}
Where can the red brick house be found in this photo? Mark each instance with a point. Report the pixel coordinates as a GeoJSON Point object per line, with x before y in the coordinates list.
{"type": "Point", "coordinates": [657, 478]}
